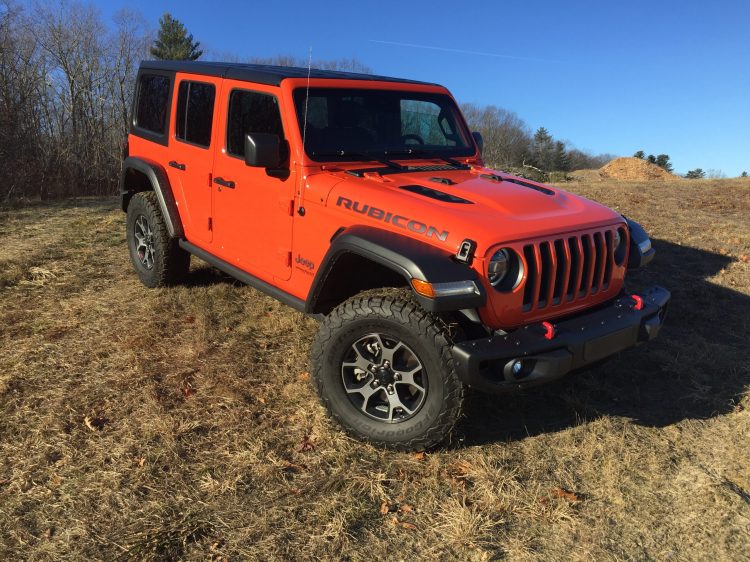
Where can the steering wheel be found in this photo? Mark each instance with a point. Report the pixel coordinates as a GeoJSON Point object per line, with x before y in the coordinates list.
{"type": "Point", "coordinates": [413, 137]}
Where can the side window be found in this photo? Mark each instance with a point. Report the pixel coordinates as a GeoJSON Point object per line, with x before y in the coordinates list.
{"type": "Point", "coordinates": [195, 112]}
{"type": "Point", "coordinates": [153, 97]}
{"type": "Point", "coordinates": [251, 112]}
{"type": "Point", "coordinates": [423, 119]}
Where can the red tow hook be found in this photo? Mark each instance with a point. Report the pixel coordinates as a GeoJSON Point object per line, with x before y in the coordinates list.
{"type": "Point", "coordinates": [549, 330]}
{"type": "Point", "coordinates": [638, 302]}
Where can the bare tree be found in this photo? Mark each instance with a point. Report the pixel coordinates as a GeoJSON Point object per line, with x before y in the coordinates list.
{"type": "Point", "coordinates": [580, 160]}
{"type": "Point", "coordinates": [72, 38]}
{"type": "Point", "coordinates": [21, 108]}
{"type": "Point", "coordinates": [507, 139]}
{"type": "Point", "coordinates": [65, 95]}
{"type": "Point", "coordinates": [129, 46]}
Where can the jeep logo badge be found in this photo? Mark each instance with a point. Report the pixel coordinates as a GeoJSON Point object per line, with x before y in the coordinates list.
{"type": "Point", "coordinates": [303, 262]}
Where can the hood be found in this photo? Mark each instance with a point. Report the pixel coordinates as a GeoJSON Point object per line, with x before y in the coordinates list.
{"type": "Point", "coordinates": [449, 205]}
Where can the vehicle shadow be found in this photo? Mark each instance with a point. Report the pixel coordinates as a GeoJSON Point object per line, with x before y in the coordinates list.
{"type": "Point", "coordinates": [697, 368]}
{"type": "Point", "coordinates": [203, 275]}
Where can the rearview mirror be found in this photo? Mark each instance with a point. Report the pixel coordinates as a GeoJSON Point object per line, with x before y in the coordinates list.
{"type": "Point", "coordinates": [479, 140]}
{"type": "Point", "coordinates": [262, 150]}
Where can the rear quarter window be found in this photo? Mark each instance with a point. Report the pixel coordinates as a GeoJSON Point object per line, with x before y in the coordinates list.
{"type": "Point", "coordinates": [152, 107]}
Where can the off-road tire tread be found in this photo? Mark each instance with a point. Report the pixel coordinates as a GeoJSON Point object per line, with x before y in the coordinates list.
{"type": "Point", "coordinates": [398, 304]}
{"type": "Point", "coordinates": [171, 263]}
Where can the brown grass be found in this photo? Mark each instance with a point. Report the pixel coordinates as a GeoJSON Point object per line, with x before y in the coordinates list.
{"type": "Point", "coordinates": [180, 423]}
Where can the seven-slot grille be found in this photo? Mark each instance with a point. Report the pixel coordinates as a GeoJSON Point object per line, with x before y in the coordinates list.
{"type": "Point", "coordinates": [562, 270]}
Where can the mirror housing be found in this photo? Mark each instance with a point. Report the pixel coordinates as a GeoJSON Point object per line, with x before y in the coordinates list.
{"type": "Point", "coordinates": [479, 140]}
{"type": "Point", "coordinates": [262, 150]}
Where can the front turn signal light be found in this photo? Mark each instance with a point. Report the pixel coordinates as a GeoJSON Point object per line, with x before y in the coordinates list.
{"type": "Point", "coordinates": [423, 288]}
{"type": "Point", "coordinates": [448, 289]}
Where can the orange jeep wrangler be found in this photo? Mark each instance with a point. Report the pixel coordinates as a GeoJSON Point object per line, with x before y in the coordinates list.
{"type": "Point", "coordinates": [363, 201]}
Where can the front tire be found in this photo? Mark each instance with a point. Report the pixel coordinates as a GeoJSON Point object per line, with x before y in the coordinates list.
{"type": "Point", "coordinates": [382, 367]}
{"type": "Point", "coordinates": [158, 259]}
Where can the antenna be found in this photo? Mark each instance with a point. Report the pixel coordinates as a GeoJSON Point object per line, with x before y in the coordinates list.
{"type": "Point", "coordinates": [301, 206]}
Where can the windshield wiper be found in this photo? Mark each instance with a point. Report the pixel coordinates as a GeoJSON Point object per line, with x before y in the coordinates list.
{"type": "Point", "coordinates": [361, 157]}
{"type": "Point", "coordinates": [425, 154]}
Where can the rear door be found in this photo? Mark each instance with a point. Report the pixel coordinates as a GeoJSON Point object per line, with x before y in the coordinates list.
{"type": "Point", "coordinates": [192, 152]}
{"type": "Point", "coordinates": [252, 210]}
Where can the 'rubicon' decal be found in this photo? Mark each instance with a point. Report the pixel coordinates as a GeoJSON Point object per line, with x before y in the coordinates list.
{"type": "Point", "coordinates": [396, 220]}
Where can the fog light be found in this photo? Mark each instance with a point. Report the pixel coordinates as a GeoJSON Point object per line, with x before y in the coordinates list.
{"type": "Point", "coordinates": [516, 368]}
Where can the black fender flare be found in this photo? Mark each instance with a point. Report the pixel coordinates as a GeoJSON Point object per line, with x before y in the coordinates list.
{"type": "Point", "coordinates": [159, 182]}
{"type": "Point", "coordinates": [641, 252]}
{"type": "Point", "coordinates": [409, 258]}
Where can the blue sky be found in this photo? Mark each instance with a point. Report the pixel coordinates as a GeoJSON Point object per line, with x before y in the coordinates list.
{"type": "Point", "coordinates": [661, 76]}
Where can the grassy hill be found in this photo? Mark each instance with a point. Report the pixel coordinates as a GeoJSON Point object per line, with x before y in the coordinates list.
{"type": "Point", "coordinates": [180, 423]}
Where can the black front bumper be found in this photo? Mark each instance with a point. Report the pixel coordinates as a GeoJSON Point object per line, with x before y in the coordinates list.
{"type": "Point", "coordinates": [488, 363]}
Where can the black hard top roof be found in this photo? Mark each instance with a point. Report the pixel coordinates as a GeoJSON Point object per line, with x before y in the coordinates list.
{"type": "Point", "coordinates": [261, 73]}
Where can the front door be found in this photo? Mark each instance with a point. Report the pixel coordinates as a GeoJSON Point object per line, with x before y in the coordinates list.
{"type": "Point", "coordinates": [252, 210]}
{"type": "Point", "coordinates": [191, 152]}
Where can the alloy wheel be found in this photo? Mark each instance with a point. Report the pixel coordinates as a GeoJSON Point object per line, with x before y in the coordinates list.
{"type": "Point", "coordinates": [144, 241]}
{"type": "Point", "coordinates": [384, 378]}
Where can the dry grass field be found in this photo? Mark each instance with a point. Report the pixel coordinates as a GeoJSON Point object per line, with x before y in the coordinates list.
{"type": "Point", "coordinates": [181, 424]}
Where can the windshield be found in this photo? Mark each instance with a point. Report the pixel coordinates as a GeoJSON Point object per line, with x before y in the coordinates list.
{"type": "Point", "coordinates": [353, 124]}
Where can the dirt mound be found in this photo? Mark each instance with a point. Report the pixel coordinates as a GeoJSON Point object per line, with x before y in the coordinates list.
{"type": "Point", "coordinates": [634, 169]}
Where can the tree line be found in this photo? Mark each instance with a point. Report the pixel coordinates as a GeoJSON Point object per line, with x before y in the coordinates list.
{"type": "Point", "coordinates": [662, 160]}
{"type": "Point", "coordinates": [510, 145]}
{"type": "Point", "coordinates": [66, 82]}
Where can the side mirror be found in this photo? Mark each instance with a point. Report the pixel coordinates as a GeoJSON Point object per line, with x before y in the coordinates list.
{"type": "Point", "coordinates": [479, 140]}
{"type": "Point", "coordinates": [262, 150]}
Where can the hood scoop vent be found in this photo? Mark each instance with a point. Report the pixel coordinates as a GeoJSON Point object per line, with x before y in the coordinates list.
{"type": "Point", "coordinates": [444, 181]}
{"type": "Point", "coordinates": [435, 194]}
{"type": "Point", "coordinates": [517, 181]}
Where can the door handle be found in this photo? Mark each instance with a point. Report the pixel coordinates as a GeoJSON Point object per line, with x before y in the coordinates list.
{"type": "Point", "coordinates": [225, 183]}
{"type": "Point", "coordinates": [177, 165]}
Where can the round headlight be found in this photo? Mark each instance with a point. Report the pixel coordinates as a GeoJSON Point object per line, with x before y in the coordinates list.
{"type": "Point", "coordinates": [498, 267]}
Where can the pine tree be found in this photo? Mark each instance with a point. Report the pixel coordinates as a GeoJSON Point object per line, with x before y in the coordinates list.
{"type": "Point", "coordinates": [640, 155]}
{"type": "Point", "coordinates": [696, 174]}
{"type": "Point", "coordinates": [663, 162]}
{"type": "Point", "coordinates": [743, 175]}
{"type": "Point", "coordinates": [543, 149]}
{"type": "Point", "coordinates": [651, 158]}
{"type": "Point", "coordinates": [562, 160]}
{"type": "Point", "coordinates": [173, 41]}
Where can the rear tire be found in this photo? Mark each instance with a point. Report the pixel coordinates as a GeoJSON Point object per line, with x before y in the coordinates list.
{"type": "Point", "coordinates": [382, 367]}
{"type": "Point", "coordinates": [158, 259]}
